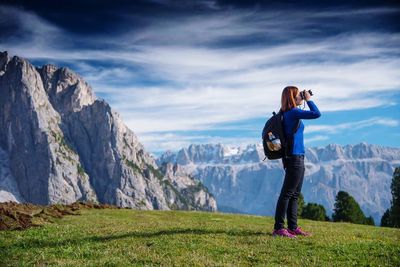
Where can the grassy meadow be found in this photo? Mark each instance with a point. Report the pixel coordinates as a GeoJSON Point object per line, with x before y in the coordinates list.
{"type": "Point", "coordinates": [121, 237]}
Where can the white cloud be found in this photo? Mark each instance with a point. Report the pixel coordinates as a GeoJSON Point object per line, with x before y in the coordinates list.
{"type": "Point", "coordinates": [166, 109]}
{"type": "Point", "coordinates": [332, 129]}
{"type": "Point", "coordinates": [316, 138]}
{"type": "Point", "coordinates": [214, 84]}
{"type": "Point", "coordinates": [355, 12]}
{"type": "Point", "coordinates": [33, 30]}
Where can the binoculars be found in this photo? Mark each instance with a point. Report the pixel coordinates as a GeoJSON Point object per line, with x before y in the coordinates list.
{"type": "Point", "coordinates": [303, 94]}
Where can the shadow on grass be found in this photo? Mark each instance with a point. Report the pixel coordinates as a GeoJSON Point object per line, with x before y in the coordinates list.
{"type": "Point", "coordinates": [34, 243]}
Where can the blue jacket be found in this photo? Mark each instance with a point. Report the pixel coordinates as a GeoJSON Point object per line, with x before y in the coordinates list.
{"type": "Point", "coordinates": [291, 118]}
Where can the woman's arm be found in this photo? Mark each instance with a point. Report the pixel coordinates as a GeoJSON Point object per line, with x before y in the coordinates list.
{"type": "Point", "coordinates": [313, 113]}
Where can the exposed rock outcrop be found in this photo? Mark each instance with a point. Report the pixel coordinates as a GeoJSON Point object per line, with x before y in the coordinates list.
{"type": "Point", "coordinates": [60, 144]}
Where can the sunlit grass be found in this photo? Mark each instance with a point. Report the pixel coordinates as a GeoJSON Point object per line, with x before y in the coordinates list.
{"type": "Point", "coordinates": [132, 237]}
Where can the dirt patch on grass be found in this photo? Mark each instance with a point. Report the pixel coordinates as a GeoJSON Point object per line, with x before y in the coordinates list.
{"type": "Point", "coordinates": [18, 216]}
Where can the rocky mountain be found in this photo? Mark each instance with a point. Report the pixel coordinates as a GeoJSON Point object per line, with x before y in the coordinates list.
{"type": "Point", "coordinates": [242, 182]}
{"type": "Point", "coordinates": [60, 144]}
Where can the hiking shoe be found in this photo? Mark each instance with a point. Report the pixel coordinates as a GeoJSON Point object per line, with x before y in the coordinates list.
{"type": "Point", "coordinates": [298, 231]}
{"type": "Point", "coordinates": [282, 232]}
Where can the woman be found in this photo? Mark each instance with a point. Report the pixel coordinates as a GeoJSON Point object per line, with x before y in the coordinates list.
{"type": "Point", "coordinates": [294, 163]}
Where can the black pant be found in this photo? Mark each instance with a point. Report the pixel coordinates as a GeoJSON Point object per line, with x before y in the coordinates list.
{"type": "Point", "coordinates": [287, 202]}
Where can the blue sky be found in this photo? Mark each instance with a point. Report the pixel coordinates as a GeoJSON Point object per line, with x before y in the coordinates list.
{"type": "Point", "coordinates": [183, 72]}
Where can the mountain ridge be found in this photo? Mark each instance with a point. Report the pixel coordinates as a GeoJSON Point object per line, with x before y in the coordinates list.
{"type": "Point", "coordinates": [60, 144]}
{"type": "Point", "coordinates": [241, 181]}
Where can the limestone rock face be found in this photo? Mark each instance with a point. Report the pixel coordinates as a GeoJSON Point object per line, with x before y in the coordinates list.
{"type": "Point", "coordinates": [60, 144]}
{"type": "Point", "coordinates": [195, 197]}
{"type": "Point", "coordinates": [67, 91]}
{"type": "Point", "coordinates": [43, 165]}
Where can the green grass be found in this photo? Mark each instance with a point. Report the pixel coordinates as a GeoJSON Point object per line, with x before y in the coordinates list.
{"type": "Point", "coordinates": [132, 237]}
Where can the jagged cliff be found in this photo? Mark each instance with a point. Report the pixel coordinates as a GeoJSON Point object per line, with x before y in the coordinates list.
{"type": "Point", "coordinates": [59, 144]}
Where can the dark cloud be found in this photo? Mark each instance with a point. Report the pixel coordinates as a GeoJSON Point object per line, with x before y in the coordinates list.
{"type": "Point", "coordinates": [102, 16]}
{"type": "Point", "coordinates": [305, 3]}
{"type": "Point", "coordinates": [112, 18]}
{"type": "Point", "coordinates": [387, 22]}
{"type": "Point", "coordinates": [78, 16]}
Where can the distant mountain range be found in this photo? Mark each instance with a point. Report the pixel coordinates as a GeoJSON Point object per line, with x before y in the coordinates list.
{"type": "Point", "coordinates": [60, 144]}
{"type": "Point", "coordinates": [241, 182]}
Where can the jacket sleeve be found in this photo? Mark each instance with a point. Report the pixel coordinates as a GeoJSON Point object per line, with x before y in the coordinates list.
{"type": "Point", "coordinates": [313, 113]}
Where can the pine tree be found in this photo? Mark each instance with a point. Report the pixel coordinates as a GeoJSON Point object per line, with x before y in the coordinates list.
{"type": "Point", "coordinates": [369, 221]}
{"type": "Point", "coordinates": [385, 220]}
{"type": "Point", "coordinates": [314, 212]}
{"type": "Point", "coordinates": [347, 209]}
{"type": "Point", "coordinates": [395, 209]}
{"type": "Point", "coordinates": [391, 217]}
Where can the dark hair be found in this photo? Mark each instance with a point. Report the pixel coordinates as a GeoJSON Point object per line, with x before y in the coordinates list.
{"type": "Point", "coordinates": [288, 100]}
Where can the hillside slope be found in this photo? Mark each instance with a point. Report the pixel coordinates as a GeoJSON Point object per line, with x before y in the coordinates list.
{"type": "Point", "coordinates": [133, 237]}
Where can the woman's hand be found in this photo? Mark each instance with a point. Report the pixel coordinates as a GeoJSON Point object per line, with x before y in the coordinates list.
{"type": "Point", "coordinates": [307, 95]}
